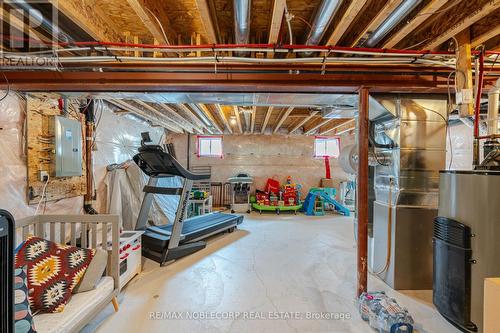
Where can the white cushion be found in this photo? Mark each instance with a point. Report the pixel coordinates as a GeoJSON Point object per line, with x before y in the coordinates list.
{"type": "Point", "coordinates": [79, 306]}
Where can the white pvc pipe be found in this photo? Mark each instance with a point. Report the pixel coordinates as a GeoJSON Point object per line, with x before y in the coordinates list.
{"type": "Point", "coordinates": [493, 103]}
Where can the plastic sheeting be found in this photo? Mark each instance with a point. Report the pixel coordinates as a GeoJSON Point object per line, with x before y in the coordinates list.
{"type": "Point", "coordinates": [117, 140]}
{"type": "Point", "coordinates": [13, 179]}
{"type": "Point", "coordinates": [125, 196]}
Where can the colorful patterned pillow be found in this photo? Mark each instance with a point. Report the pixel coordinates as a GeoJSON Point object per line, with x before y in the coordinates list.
{"type": "Point", "coordinates": [23, 316]}
{"type": "Point", "coordinates": [53, 271]}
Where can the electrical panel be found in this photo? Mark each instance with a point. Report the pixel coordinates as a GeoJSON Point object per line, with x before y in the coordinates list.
{"type": "Point", "coordinates": [68, 144]}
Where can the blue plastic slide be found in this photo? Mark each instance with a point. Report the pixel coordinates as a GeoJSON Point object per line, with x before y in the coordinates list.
{"type": "Point", "coordinates": [308, 206]}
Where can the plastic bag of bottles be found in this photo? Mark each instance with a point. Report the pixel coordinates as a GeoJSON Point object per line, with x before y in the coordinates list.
{"type": "Point", "coordinates": [384, 314]}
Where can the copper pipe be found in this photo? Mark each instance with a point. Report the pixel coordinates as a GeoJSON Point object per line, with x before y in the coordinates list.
{"type": "Point", "coordinates": [362, 190]}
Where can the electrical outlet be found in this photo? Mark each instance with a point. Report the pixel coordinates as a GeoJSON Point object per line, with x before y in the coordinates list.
{"type": "Point", "coordinates": [44, 176]}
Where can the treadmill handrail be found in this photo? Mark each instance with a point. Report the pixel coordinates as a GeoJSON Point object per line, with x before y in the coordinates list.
{"type": "Point", "coordinates": [150, 157]}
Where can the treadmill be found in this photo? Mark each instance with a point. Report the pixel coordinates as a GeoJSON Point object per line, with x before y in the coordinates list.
{"type": "Point", "coordinates": [167, 243]}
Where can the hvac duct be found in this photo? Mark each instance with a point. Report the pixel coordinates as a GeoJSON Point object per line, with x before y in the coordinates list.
{"type": "Point", "coordinates": [242, 21]}
{"type": "Point", "coordinates": [396, 16]}
{"type": "Point", "coordinates": [322, 20]}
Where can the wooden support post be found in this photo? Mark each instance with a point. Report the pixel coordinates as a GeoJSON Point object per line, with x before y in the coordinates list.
{"type": "Point", "coordinates": [363, 191]}
{"type": "Point", "coordinates": [137, 53]}
{"type": "Point", "coordinates": [156, 54]}
{"type": "Point", "coordinates": [464, 70]}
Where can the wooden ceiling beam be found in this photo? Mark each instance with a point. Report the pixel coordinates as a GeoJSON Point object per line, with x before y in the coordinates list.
{"type": "Point", "coordinates": [381, 16]}
{"type": "Point", "coordinates": [206, 18]}
{"type": "Point", "coordinates": [88, 16]}
{"type": "Point", "coordinates": [346, 124]}
{"type": "Point", "coordinates": [238, 118]}
{"type": "Point", "coordinates": [276, 21]}
{"type": "Point", "coordinates": [283, 118]}
{"type": "Point", "coordinates": [424, 14]}
{"type": "Point", "coordinates": [266, 119]}
{"type": "Point", "coordinates": [192, 118]}
{"type": "Point", "coordinates": [210, 117]}
{"type": "Point", "coordinates": [171, 115]}
{"type": "Point", "coordinates": [148, 12]}
{"type": "Point", "coordinates": [464, 24]}
{"type": "Point", "coordinates": [159, 119]}
{"type": "Point", "coordinates": [186, 124]}
{"type": "Point", "coordinates": [222, 115]}
{"type": "Point", "coordinates": [490, 34]}
{"type": "Point", "coordinates": [303, 121]}
{"type": "Point", "coordinates": [352, 11]}
{"type": "Point", "coordinates": [322, 123]}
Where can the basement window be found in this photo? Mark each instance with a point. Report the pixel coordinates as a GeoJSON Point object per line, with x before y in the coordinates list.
{"type": "Point", "coordinates": [209, 146]}
{"type": "Point", "coordinates": [326, 147]}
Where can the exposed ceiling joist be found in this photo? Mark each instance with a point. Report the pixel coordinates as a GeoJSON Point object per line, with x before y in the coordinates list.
{"type": "Point", "coordinates": [209, 115]}
{"type": "Point", "coordinates": [303, 121]}
{"type": "Point", "coordinates": [178, 118]}
{"type": "Point", "coordinates": [266, 119]}
{"type": "Point", "coordinates": [206, 18]}
{"type": "Point", "coordinates": [159, 119]}
{"type": "Point", "coordinates": [181, 124]}
{"type": "Point", "coordinates": [222, 115]}
{"type": "Point", "coordinates": [464, 24]}
{"type": "Point", "coordinates": [283, 118]}
{"type": "Point", "coordinates": [311, 130]}
{"type": "Point", "coordinates": [346, 20]}
{"type": "Point", "coordinates": [90, 18]}
{"type": "Point", "coordinates": [238, 118]}
{"type": "Point", "coordinates": [276, 20]}
{"type": "Point", "coordinates": [388, 8]}
{"type": "Point", "coordinates": [346, 124]}
{"type": "Point", "coordinates": [424, 14]}
{"type": "Point", "coordinates": [476, 41]}
{"type": "Point", "coordinates": [192, 118]}
{"type": "Point", "coordinates": [147, 17]}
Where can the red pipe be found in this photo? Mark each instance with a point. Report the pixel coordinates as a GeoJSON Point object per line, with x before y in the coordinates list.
{"type": "Point", "coordinates": [478, 96]}
{"type": "Point", "coordinates": [258, 46]}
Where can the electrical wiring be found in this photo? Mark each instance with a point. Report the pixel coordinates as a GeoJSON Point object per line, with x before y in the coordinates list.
{"type": "Point", "coordinates": [44, 193]}
{"type": "Point", "coordinates": [8, 87]}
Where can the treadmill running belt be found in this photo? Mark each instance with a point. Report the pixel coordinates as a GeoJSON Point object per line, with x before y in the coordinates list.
{"type": "Point", "coordinates": [202, 225]}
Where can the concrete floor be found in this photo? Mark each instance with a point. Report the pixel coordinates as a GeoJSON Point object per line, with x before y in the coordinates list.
{"type": "Point", "coordinates": [299, 264]}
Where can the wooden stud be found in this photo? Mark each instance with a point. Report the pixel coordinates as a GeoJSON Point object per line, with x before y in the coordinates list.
{"type": "Point", "coordinates": [352, 11]}
{"type": "Point", "coordinates": [137, 53]}
{"type": "Point", "coordinates": [177, 118]}
{"type": "Point", "coordinates": [254, 114]}
{"type": "Point", "coordinates": [464, 70]}
{"type": "Point", "coordinates": [266, 119]}
{"type": "Point", "coordinates": [464, 24]}
{"type": "Point", "coordinates": [424, 14]}
{"type": "Point", "coordinates": [206, 19]}
{"type": "Point", "coordinates": [388, 8]}
{"type": "Point", "coordinates": [157, 54]}
{"type": "Point", "coordinates": [305, 120]}
{"type": "Point", "coordinates": [283, 118]}
{"type": "Point", "coordinates": [161, 114]}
